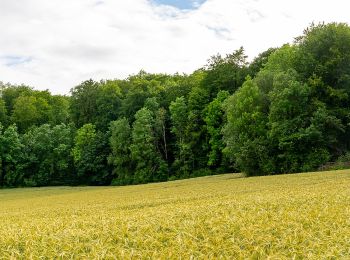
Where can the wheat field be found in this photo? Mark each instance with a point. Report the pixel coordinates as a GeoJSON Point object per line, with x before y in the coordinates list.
{"type": "Point", "coordinates": [229, 217]}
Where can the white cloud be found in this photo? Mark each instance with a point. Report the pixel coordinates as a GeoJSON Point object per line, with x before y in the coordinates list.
{"type": "Point", "coordinates": [57, 44]}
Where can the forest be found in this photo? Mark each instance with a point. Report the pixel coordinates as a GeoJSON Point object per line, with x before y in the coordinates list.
{"type": "Point", "coordinates": [286, 111]}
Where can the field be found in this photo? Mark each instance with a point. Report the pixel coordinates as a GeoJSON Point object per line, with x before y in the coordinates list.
{"type": "Point", "coordinates": [288, 216]}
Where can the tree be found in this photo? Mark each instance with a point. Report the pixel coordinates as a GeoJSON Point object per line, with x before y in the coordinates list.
{"type": "Point", "coordinates": [59, 111]}
{"type": "Point", "coordinates": [120, 156]}
{"type": "Point", "coordinates": [61, 165]}
{"type": "Point", "coordinates": [83, 104]}
{"type": "Point", "coordinates": [260, 61]}
{"type": "Point", "coordinates": [324, 51]}
{"type": "Point", "coordinates": [47, 158]}
{"type": "Point", "coordinates": [159, 126]}
{"type": "Point", "coordinates": [108, 104]}
{"type": "Point", "coordinates": [10, 93]}
{"type": "Point", "coordinates": [3, 112]}
{"type": "Point", "coordinates": [149, 165]}
{"type": "Point", "coordinates": [10, 157]}
{"type": "Point", "coordinates": [324, 63]}
{"type": "Point", "coordinates": [90, 153]}
{"type": "Point", "coordinates": [299, 141]}
{"type": "Point", "coordinates": [196, 132]}
{"type": "Point", "coordinates": [225, 73]}
{"type": "Point", "coordinates": [183, 163]}
{"type": "Point", "coordinates": [214, 119]}
{"type": "Point", "coordinates": [25, 112]}
{"type": "Point", "coordinates": [161, 132]}
{"type": "Point", "coordinates": [245, 133]}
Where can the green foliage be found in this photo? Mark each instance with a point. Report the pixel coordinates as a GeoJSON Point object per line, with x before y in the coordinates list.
{"type": "Point", "coordinates": [245, 133]}
{"type": "Point", "coordinates": [342, 162]}
{"type": "Point", "coordinates": [10, 93]}
{"type": "Point", "coordinates": [260, 61]}
{"type": "Point", "coordinates": [108, 103]}
{"type": "Point", "coordinates": [324, 60]}
{"type": "Point", "coordinates": [10, 156]}
{"type": "Point", "coordinates": [196, 130]}
{"type": "Point", "coordinates": [293, 130]}
{"type": "Point", "coordinates": [149, 165]}
{"type": "Point", "coordinates": [90, 152]}
{"type": "Point", "coordinates": [226, 73]}
{"type": "Point", "coordinates": [25, 112]}
{"type": "Point", "coordinates": [59, 111]}
{"type": "Point", "coordinates": [290, 114]}
{"type": "Point", "coordinates": [85, 137]}
{"type": "Point", "coordinates": [47, 155]}
{"type": "Point", "coordinates": [120, 156]}
{"type": "Point", "coordinates": [214, 119]}
{"type": "Point", "coordinates": [283, 59]}
{"type": "Point", "coordinates": [83, 103]}
{"type": "Point", "coordinates": [3, 112]}
{"type": "Point", "coordinates": [179, 119]}
{"type": "Point", "coordinates": [325, 52]}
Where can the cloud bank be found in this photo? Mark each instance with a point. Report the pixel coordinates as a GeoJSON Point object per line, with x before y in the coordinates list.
{"type": "Point", "coordinates": [57, 44]}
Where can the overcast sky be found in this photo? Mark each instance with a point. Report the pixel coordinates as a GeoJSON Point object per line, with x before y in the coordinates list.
{"type": "Point", "coordinates": [56, 44]}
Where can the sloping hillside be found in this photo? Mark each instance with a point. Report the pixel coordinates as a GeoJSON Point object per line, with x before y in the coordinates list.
{"type": "Point", "coordinates": [286, 216]}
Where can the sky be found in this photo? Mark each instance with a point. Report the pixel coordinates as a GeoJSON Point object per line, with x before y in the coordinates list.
{"type": "Point", "coordinates": [57, 44]}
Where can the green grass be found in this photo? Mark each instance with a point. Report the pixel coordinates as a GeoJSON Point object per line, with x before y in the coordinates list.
{"type": "Point", "coordinates": [288, 216]}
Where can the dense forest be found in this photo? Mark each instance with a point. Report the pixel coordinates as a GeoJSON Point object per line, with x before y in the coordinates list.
{"type": "Point", "coordinates": [286, 111]}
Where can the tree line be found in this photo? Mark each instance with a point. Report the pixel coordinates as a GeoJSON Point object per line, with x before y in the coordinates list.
{"type": "Point", "coordinates": [286, 111]}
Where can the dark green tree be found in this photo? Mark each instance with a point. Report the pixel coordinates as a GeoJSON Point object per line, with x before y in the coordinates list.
{"type": "Point", "coordinates": [214, 119]}
{"type": "Point", "coordinates": [90, 153]}
{"type": "Point", "coordinates": [149, 164]}
{"type": "Point", "coordinates": [259, 62]}
{"type": "Point", "coordinates": [59, 110]}
{"type": "Point", "coordinates": [324, 62]}
{"type": "Point", "coordinates": [120, 156]}
{"type": "Point", "coordinates": [3, 112]}
{"type": "Point", "coordinates": [184, 160]}
{"type": "Point", "coordinates": [108, 102]}
{"type": "Point", "coordinates": [47, 158]}
{"type": "Point", "coordinates": [83, 104]}
{"type": "Point", "coordinates": [299, 140]}
{"type": "Point", "coordinates": [10, 157]}
{"type": "Point", "coordinates": [225, 73]}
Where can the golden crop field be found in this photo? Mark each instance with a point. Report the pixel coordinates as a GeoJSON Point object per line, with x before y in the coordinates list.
{"type": "Point", "coordinates": [277, 217]}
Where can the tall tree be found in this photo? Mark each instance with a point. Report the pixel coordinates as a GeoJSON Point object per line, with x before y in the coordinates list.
{"type": "Point", "coordinates": [10, 157]}
{"type": "Point", "coordinates": [47, 158]}
{"type": "Point", "coordinates": [214, 119]}
{"type": "Point", "coordinates": [324, 60]}
{"type": "Point", "coordinates": [226, 73]}
{"type": "Point", "coordinates": [196, 130]}
{"type": "Point", "coordinates": [149, 165]}
{"type": "Point", "coordinates": [245, 133]}
{"type": "Point", "coordinates": [90, 153]}
{"type": "Point", "coordinates": [59, 112]}
{"type": "Point", "coordinates": [183, 163]}
{"type": "Point", "coordinates": [108, 103]}
{"type": "Point", "coordinates": [3, 112]}
{"type": "Point", "coordinates": [120, 156]}
{"type": "Point", "coordinates": [83, 104]}
{"type": "Point", "coordinates": [293, 130]}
